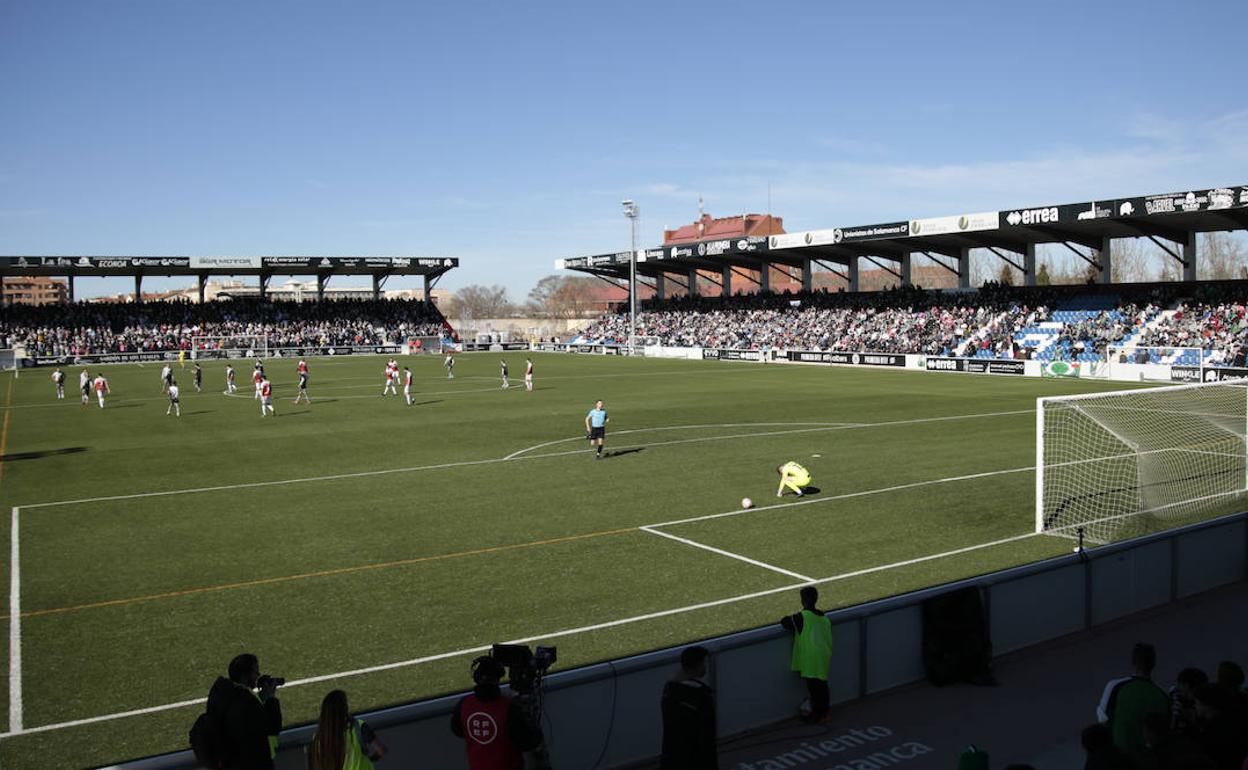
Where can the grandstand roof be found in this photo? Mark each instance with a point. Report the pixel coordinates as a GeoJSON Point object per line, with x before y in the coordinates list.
{"type": "Point", "coordinates": [224, 265]}
{"type": "Point", "coordinates": [1174, 217]}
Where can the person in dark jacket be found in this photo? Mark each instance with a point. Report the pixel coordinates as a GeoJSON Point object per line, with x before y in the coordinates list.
{"type": "Point", "coordinates": [247, 708]}
{"type": "Point", "coordinates": [494, 727]}
{"type": "Point", "coordinates": [688, 706]}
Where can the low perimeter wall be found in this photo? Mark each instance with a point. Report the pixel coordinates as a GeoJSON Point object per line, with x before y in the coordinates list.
{"type": "Point", "coordinates": [1088, 370]}
{"type": "Point", "coordinates": [607, 715]}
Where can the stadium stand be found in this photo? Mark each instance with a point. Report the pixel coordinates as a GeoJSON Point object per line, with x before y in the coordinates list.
{"type": "Point", "coordinates": [1045, 323]}
{"type": "Point", "coordinates": [84, 328]}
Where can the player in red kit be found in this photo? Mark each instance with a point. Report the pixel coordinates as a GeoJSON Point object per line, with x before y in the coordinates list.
{"type": "Point", "coordinates": [266, 397]}
{"type": "Point", "coordinates": [407, 385]}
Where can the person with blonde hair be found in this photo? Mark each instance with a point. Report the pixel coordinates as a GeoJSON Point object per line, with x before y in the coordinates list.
{"type": "Point", "coordinates": [342, 742]}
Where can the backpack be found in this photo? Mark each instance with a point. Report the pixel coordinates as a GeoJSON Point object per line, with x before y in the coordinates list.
{"type": "Point", "coordinates": [207, 741]}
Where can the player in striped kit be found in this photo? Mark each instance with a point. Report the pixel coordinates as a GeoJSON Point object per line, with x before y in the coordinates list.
{"type": "Point", "coordinates": [302, 370]}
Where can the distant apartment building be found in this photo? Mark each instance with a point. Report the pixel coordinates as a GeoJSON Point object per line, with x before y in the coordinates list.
{"type": "Point", "coordinates": [33, 290]}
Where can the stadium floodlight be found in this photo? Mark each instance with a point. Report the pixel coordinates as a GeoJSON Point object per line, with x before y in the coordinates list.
{"type": "Point", "coordinates": [632, 211]}
{"type": "Point", "coordinates": [1108, 463]}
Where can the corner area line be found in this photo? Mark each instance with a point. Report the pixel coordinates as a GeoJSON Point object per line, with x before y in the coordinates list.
{"type": "Point", "coordinates": [15, 627]}
{"type": "Point", "coordinates": [729, 554]}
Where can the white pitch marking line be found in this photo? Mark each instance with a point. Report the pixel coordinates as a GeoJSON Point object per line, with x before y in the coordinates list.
{"type": "Point", "coordinates": [465, 463]}
{"type": "Point", "coordinates": [15, 627]}
{"type": "Point", "coordinates": [549, 635]}
{"type": "Point", "coordinates": [845, 496]}
{"type": "Point", "coordinates": [822, 425]}
{"type": "Point", "coordinates": [729, 554]}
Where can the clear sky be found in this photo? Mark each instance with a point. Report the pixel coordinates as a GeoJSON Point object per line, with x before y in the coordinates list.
{"type": "Point", "coordinates": [507, 133]}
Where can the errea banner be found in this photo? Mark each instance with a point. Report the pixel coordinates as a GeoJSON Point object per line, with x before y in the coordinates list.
{"type": "Point", "coordinates": [973, 365]}
{"type": "Point", "coordinates": [963, 223]}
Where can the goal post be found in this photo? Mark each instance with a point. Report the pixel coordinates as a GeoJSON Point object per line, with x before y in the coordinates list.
{"type": "Point", "coordinates": [1173, 453]}
{"type": "Point", "coordinates": [229, 346]}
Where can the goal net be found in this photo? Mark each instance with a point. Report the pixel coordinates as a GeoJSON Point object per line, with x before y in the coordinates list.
{"type": "Point", "coordinates": [1118, 464]}
{"type": "Point", "coordinates": [230, 346]}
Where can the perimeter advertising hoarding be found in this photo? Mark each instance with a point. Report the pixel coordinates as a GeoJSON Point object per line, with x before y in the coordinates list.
{"type": "Point", "coordinates": [974, 365]}
{"type": "Point", "coordinates": [1216, 199]}
{"type": "Point", "coordinates": [1185, 374]}
{"type": "Point", "coordinates": [723, 354]}
{"type": "Point", "coordinates": [850, 359]}
{"type": "Point", "coordinates": [1223, 373]}
{"type": "Point", "coordinates": [93, 263]}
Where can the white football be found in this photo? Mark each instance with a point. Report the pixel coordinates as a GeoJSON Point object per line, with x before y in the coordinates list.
{"type": "Point", "coordinates": [747, 502]}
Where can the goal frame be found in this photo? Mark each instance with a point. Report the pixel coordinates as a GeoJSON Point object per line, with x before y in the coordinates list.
{"type": "Point", "coordinates": [261, 350]}
{"type": "Point", "coordinates": [1040, 410]}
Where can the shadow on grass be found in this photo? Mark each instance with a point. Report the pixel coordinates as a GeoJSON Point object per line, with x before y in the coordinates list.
{"type": "Point", "coordinates": [427, 403]}
{"type": "Point", "coordinates": [69, 450]}
{"type": "Point", "coordinates": [622, 452]}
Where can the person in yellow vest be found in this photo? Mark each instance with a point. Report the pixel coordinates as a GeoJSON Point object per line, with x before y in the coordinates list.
{"type": "Point", "coordinates": [794, 477]}
{"type": "Point", "coordinates": [342, 742]}
{"type": "Point", "coordinates": [812, 651]}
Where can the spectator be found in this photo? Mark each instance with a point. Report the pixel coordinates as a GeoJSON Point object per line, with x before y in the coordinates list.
{"type": "Point", "coordinates": [250, 720]}
{"type": "Point", "coordinates": [1182, 700]}
{"type": "Point", "coordinates": [1100, 751]}
{"type": "Point", "coordinates": [342, 742]}
{"type": "Point", "coordinates": [688, 706]}
{"type": "Point", "coordinates": [495, 729]}
{"type": "Point", "coordinates": [812, 651]}
{"type": "Point", "coordinates": [1221, 730]}
{"type": "Point", "coordinates": [1126, 702]}
{"type": "Point", "coordinates": [1166, 749]}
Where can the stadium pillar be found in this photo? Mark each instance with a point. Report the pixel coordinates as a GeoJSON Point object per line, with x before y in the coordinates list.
{"type": "Point", "coordinates": [693, 283]}
{"type": "Point", "coordinates": [428, 288]}
{"type": "Point", "coordinates": [725, 278]}
{"type": "Point", "coordinates": [907, 270]}
{"type": "Point", "coordinates": [1189, 257]}
{"type": "Point", "coordinates": [201, 284]}
{"type": "Point", "coordinates": [853, 273]}
{"type": "Point", "coordinates": [138, 287]}
{"type": "Point", "coordinates": [376, 287]}
{"type": "Point", "coordinates": [964, 268]}
{"type": "Point", "coordinates": [1029, 264]}
{"type": "Point", "coordinates": [764, 278]}
{"type": "Point", "coordinates": [264, 287]}
{"type": "Point", "coordinates": [320, 287]}
{"type": "Point", "coordinates": [660, 286]}
{"type": "Point", "coordinates": [1105, 260]}
{"type": "Point", "coordinates": [69, 286]}
{"type": "Point", "coordinates": [808, 279]}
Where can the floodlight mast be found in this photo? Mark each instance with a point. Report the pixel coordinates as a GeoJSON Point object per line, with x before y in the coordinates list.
{"type": "Point", "coordinates": [632, 211]}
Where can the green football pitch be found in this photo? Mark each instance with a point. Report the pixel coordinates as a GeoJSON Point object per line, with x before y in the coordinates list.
{"type": "Point", "coordinates": [363, 544]}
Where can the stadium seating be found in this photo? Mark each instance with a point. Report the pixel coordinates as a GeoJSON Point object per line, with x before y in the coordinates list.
{"type": "Point", "coordinates": [87, 328]}
{"type": "Point", "coordinates": [1044, 323]}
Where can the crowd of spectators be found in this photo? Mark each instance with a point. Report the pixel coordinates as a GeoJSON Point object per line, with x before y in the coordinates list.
{"type": "Point", "coordinates": [1197, 724]}
{"type": "Point", "coordinates": [85, 328]}
{"type": "Point", "coordinates": [990, 322]}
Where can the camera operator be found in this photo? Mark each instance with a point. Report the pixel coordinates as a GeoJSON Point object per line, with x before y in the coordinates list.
{"type": "Point", "coordinates": [494, 727]}
{"type": "Point", "coordinates": [249, 715]}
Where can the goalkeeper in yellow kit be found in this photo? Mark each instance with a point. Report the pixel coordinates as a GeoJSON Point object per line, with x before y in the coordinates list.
{"type": "Point", "coordinates": [793, 476]}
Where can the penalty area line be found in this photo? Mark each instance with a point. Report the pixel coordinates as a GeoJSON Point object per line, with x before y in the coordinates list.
{"type": "Point", "coordinates": [544, 636]}
{"type": "Point", "coordinates": [729, 554]}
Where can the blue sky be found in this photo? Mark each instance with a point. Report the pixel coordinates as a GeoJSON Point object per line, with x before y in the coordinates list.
{"type": "Point", "coordinates": [507, 133]}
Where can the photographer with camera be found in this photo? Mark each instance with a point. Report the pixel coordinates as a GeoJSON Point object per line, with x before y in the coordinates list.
{"type": "Point", "coordinates": [495, 729]}
{"type": "Point", "coordinates": [245, 716]}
